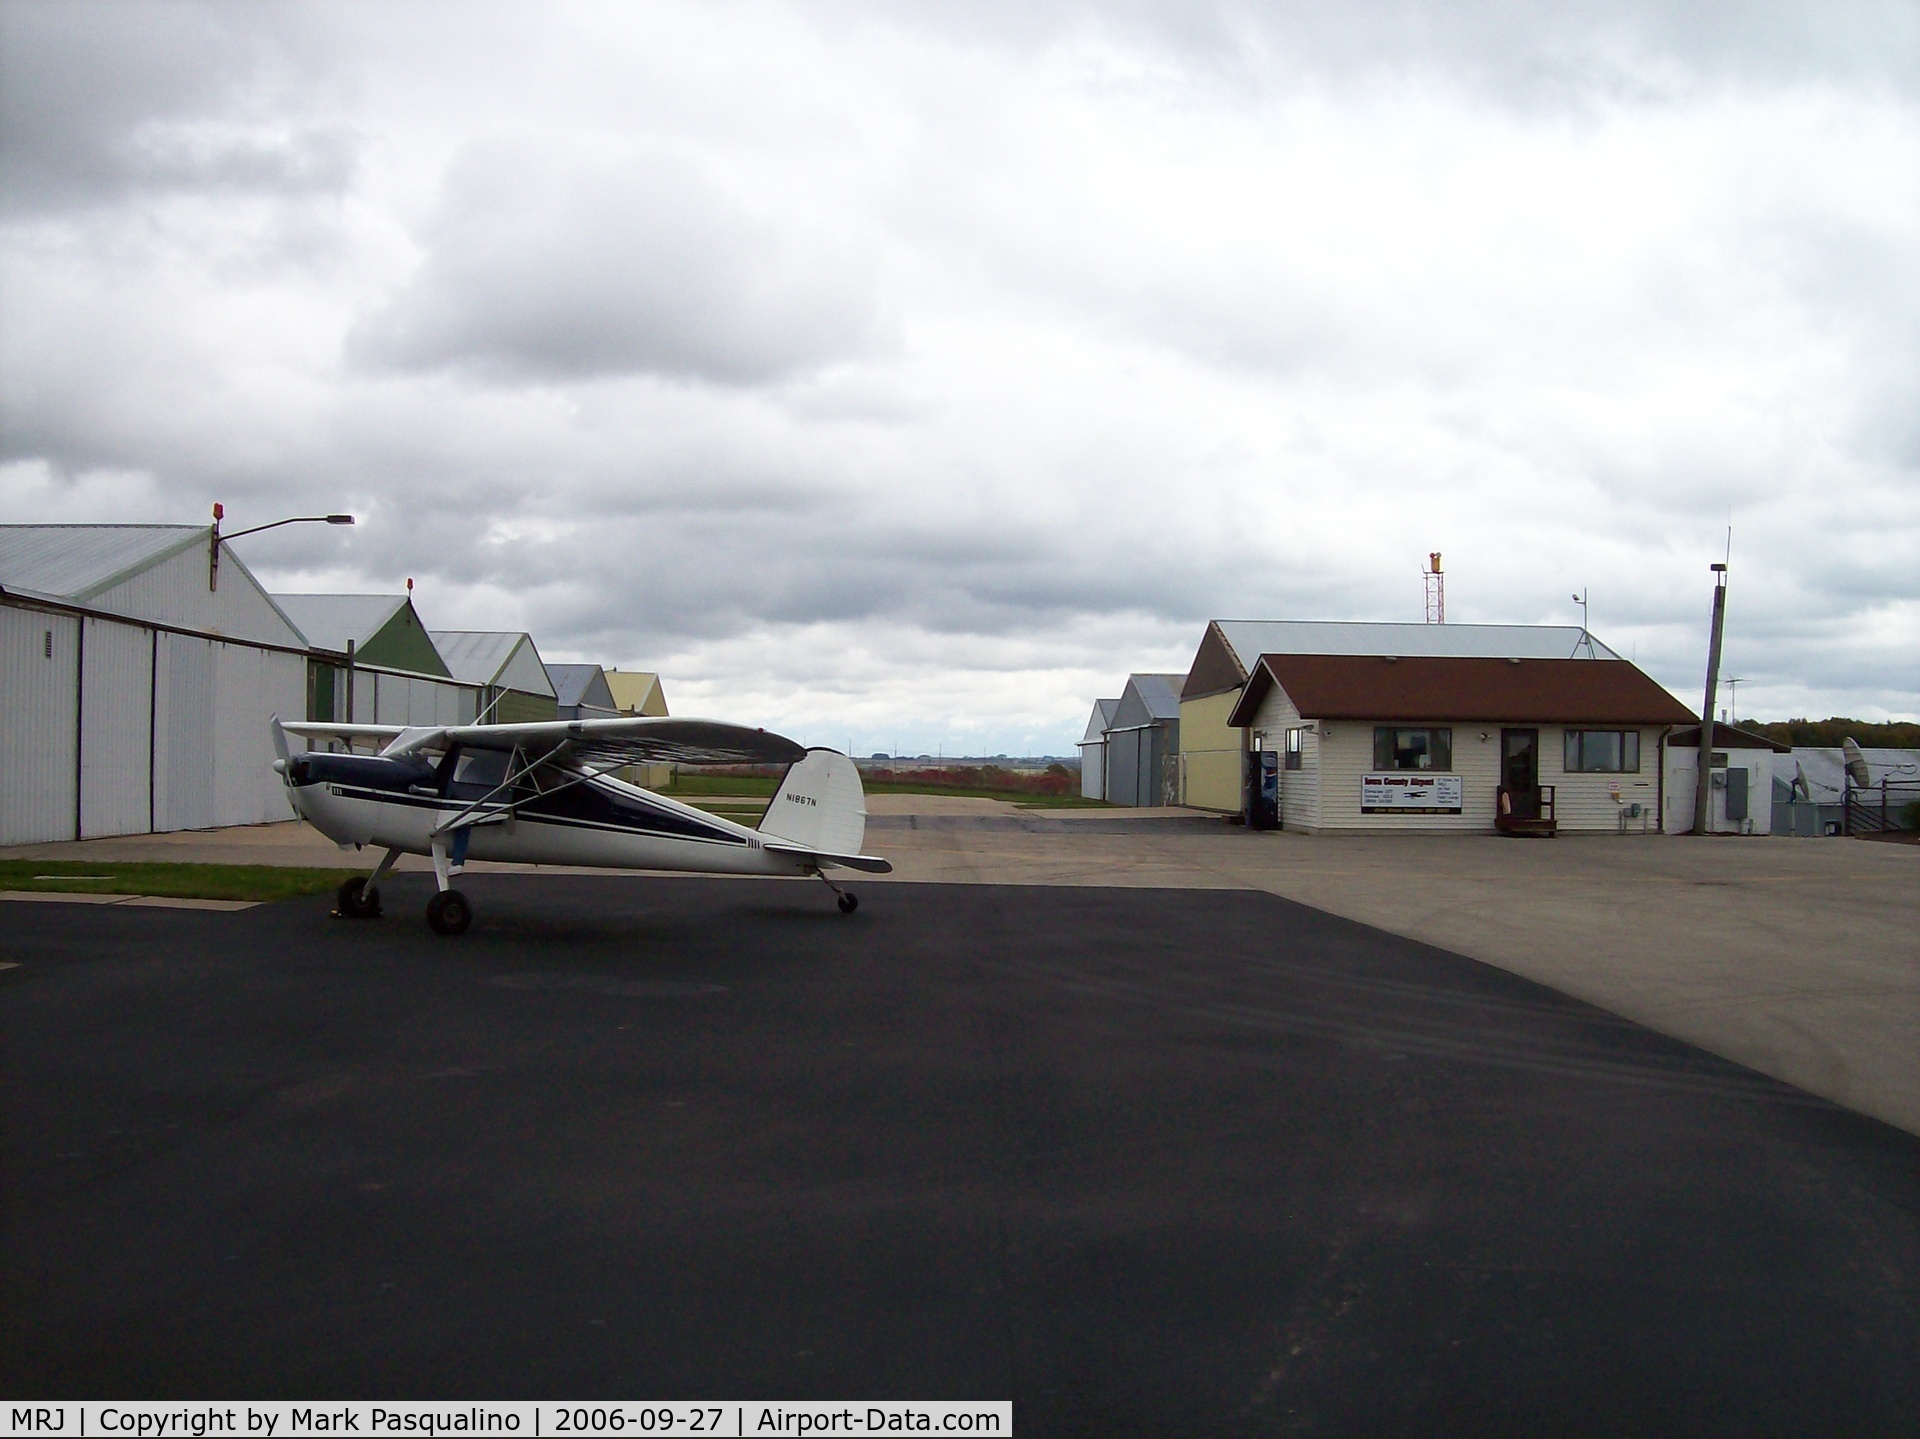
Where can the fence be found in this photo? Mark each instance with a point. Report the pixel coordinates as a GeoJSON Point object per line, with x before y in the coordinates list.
{"type": "Point", "coordinates": [1881, 809]}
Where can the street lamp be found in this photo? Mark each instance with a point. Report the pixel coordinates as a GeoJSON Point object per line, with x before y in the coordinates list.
{"type": "Point", "coordinates": [216, 539]}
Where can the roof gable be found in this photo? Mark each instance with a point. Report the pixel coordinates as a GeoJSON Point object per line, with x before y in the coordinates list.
{"type": "Point", "coordinates": [504, 658]}
{"type": "Point", "coordinates": [1522, 691]}
{"type": "Point", "coordinates": [1148, 699]}
{"type": "Point", "coordinates": [637, 692]}
{"type": "Point", "coordinates": [1099, 720]}
{"type": "Point", "coordinates": [155, 573]}
{"type": "Point", "coordinates": [1216, 668]}
{"type": "Point", "coordinates": [581, 685]}
{"type": "Point", "coordinates": [383, 629]}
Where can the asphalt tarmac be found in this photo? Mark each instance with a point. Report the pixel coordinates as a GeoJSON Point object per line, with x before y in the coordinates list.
{"type": "Point", "coordinates": [1174, 1162]}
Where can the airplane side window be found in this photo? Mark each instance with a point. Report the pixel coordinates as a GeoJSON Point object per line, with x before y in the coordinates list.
{"type": "Point", "coordinates": [478, 771]}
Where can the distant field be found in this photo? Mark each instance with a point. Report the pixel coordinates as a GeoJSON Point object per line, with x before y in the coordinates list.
{"type": "Point", "coordinates": [691, 787]}
{"type": "Point", "coordinates": [260, 882]}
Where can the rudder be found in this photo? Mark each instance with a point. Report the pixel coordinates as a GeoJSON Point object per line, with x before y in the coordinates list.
{"type": "Point", "coordinates": [820, 806]}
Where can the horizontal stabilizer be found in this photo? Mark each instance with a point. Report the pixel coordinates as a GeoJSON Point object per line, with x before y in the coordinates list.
{"type": "Point", "coordinates": [871, 863]}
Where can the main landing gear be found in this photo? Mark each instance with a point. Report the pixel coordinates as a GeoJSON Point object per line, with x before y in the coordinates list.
{"type": "Point", "coordinates": [845, 898]}
{"type": "Point", "coordinates": [449, 913]}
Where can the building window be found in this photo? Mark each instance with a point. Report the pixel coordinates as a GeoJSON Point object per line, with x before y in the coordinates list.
{"type": "Point", "coordinates": [1412, 748]}
{"type": "Point", "coordinates": [1603, 751]}
{"type": "Point", "coordinates": [1294, 747]}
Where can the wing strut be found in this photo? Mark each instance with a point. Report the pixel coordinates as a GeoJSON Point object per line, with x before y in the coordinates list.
{"type": "Point", "coordinates": [512, 807]}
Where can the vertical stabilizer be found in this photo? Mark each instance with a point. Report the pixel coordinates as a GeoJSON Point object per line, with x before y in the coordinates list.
{"type": "Point", "coordinates": [820, 807]}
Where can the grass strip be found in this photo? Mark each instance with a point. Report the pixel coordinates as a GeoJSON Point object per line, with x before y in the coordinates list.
{"type": "Point", "coordinates": [263, 883]}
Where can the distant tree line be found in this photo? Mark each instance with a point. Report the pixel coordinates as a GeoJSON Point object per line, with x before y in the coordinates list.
{"type": "Point", "coordinates": [1827, 733]}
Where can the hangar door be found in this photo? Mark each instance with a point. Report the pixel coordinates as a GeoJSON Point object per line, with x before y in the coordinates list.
{"type": "Point", "coordinates": [183, 734]}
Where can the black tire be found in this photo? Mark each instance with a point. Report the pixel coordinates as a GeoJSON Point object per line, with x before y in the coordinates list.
{"type": "Point", "coordinates": [449, 913]}
{"type": "Point", "coordinates": [357, 899]}
{"type": "Point", "coordinates": [849, 902]}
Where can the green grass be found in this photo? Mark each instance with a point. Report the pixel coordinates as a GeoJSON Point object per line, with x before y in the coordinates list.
{"type": "Point", "coordinates": [734, 785]}
{"type": "Point", "coordinates": [260, 882]}
{"type": "Point", "coordinates": [747, 812]}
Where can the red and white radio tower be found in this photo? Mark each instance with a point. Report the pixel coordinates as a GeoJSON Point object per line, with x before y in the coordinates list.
{"type": "Point", "coordinates": [1436, 590]}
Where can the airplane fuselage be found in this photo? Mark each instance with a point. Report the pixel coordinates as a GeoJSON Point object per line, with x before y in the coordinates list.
{"type": "Point", "coordinates": [408, 803]}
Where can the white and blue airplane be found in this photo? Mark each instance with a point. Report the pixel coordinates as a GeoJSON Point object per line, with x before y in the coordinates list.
{"type": "Point", "coordinates": [545, 794]}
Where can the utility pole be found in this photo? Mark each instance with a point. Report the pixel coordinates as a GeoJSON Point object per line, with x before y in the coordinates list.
{"type": "Point", "coordinates": [1702, 790]}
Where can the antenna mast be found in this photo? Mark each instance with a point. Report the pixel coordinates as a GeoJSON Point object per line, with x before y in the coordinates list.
{"type": "Point", "coordinates": [1436, 590]}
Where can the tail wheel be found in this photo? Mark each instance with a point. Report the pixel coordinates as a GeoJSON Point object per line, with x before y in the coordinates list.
{"type": "Point", "coordinates": [449, 913]}
{"type": "Point", "coordinates": [849, 901]}
{"type": "Point", "coordinates": [357, 899]}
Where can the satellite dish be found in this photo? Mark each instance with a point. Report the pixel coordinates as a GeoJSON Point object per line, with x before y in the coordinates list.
{"type": "Point", "coordinates": [1856, 764]}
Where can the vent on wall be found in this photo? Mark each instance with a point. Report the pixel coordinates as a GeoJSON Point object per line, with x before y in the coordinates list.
{"type": "Point", "coordinates": [46, 645]}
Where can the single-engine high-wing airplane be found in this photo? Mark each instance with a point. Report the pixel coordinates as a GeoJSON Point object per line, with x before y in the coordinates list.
{"type": "Point", "coordinates": [545, 794]}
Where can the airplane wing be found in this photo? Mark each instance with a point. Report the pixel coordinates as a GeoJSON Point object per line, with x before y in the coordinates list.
{"type": "Point", "coordinates": [348, 732]}
{"type": "Point", "coordinates": [636, 740]}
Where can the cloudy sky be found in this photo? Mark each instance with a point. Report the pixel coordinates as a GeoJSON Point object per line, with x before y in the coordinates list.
{"type": "Point", "coordinates": [907, 374]}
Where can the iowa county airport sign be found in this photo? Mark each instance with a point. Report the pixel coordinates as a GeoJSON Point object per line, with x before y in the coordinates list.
{"type": "Point", "coordinates": [1402, 793]}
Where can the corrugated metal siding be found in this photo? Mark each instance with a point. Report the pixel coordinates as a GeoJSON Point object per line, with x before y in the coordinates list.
{"type": "Point", "coordinates": [174, 592]}
{"type": "Point", "coordinates": [517, 708]}
{"type": "Point", "coordinates": [116, 733]}
{"type": "Point", "coordinates": [1093, 770]}
{"type": "Point", "coordinates": [1123, 766]}
{"type": "Point", "coordinates": [525, 673]}
{"type": "Point", "coordinates": [250, 687]}
{"type": "Point", "coordinates": [37, 730]}
{"type": "Point", "coordinates": [1210, 753]}
{"type": "Point", "coordinates": [184, 735]}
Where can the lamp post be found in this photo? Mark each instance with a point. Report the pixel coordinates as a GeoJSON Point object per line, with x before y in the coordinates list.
{"type": "Point", "coordinates": [216, 539]}
{"type": "Point", "coordinates": [1702, 786]}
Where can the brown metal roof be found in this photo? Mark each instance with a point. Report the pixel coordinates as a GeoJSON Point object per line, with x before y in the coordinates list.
{"type": "Point", "coordinates": [1413, 687]}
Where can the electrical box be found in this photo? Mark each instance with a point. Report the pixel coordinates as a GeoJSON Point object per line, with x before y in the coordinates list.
{"type": "Point", "coordinates": [1736, 795]}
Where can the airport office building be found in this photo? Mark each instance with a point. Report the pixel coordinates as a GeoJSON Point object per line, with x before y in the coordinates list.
{"type": "Point", "coordinates": [1395, 727]}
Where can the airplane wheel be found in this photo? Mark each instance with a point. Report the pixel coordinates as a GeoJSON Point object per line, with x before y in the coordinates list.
{"type": "Point", "coordinates": [449, 913]}
{"type": "Point", "coordinates": [358, 900]}
{"type": "Point", "coordinates": [849, 902]}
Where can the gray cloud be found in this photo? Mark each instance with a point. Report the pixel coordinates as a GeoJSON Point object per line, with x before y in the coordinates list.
{"type": "Point", "coordinates": [547, 267]}
{"type": "Point", "coordinates": [929, 369]}
{"type": "Point", "coordinates": [102, 101]}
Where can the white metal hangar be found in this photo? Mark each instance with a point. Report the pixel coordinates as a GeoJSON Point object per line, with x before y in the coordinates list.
{"type": "Point", "coordinates": [1093, 750]}
{"type": "Point", "coordinates": [134, 695]}
{"type": "Point", "coordinates": [1143, 742]}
